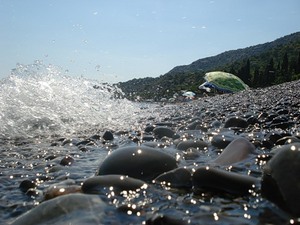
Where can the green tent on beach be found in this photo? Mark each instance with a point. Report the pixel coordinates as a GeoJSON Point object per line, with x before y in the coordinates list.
{"type": "Point", "coordinates": [223, 82]}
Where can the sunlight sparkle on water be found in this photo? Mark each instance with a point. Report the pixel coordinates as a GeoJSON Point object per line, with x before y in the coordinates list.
{"type": "Point", "coordinates": [43, 99]}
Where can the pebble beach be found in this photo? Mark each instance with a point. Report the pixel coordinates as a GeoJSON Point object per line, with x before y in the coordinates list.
{"type": "Point", "coordinates": [224, 159]}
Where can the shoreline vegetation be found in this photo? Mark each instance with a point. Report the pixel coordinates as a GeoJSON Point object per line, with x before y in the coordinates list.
{"type": "Point", "coordinates": [258, 66]}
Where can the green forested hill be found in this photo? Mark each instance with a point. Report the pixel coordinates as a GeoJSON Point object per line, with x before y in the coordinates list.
{"type": "Point", "coordinates": [259, 66]}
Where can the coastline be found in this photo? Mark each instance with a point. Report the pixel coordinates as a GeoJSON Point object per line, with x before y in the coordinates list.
{"type": "Point", "coordinates": [267, 118]}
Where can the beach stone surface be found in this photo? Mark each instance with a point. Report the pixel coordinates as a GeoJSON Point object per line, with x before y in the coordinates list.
{"type": "Point", "coordinates": [141, 162]}
{"type": "Point", "coordinates": [238, 150]}
{"type": "Point", "coordinates": [161, 132]}
{"type": "Point", "coordinates": [281, 178]}
{"type": "Point", "coordinates": [25, 185]}
{"type": "Point", "coordinates": [177, 178]}
{"type": "Point", "coordinates": [236, 122]}
{"type": "Point", "coordinates": [108, 183]}
{"type": "Point", "coordinates": [213, 179]}
{"type": "Point", "coordinates": [108, 135]}
{"type": "Point", "coordinates": [184, 145]}
{"type": "Point", "coordinates": [221, 140]}
{"type": "Point", "coordinates": [199, 164]}
{"type": "Point", "coordinates": [67, 161]}
{"type": "Point", "coordinates": [65, 187]}
{"type": "Point", "coordinates": [62, 210]}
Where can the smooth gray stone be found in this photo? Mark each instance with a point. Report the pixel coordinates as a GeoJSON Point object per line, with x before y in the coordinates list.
{"type": "Point", "coordinates": [184, 145]}
{"type": "Point", "coordinates": [281, 178]}
{"type": "Point", "coordinates": [141, 162]}
{"type": "Point", "coordinates": [238, 150]}
{"type": "Point", "coordinates": [75, 209]}
{"type": "Point", "coordinates": [222, 140]}
{"type": "Point", "coordinates": [163, 132]}
{"type": "Point", "coordinates": [213, 179]}
{"type": "Point", "coordinates": [178, 178]}
{"type": "Point", "coordinates": [116, 183]}
{"type": "Point", "coordinates": [236, 122]}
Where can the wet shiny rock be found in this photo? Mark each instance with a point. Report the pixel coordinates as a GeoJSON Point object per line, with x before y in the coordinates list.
{"type": "Point", "coordinates": [67, 161]}
{"type": "Point", "coordinates": [184, 145]}
{"type": "Point", "coordinates": [177, 178]}
{"type": "Point", "coordinates": [281, 178]}
{"type": "Point", "coordinates": [222, 140]}
{"type": "Point", "coordinates": [108, 135]}
{"type": "Point", "coordinates": [238, 150]}
{"type": "Point", "coordinates": [163, 132]}
{"type": "Point", "coordinates": [107, 183]}
{"type": "Point", "coordinates": [62, 209]}
{"type": "Point", "coordinates": [213, 179]}
{"type": "Point", "coordinates": [139, 162]}
{"type": "Point", "coordinates": [236, 122]}
{"type": "Point", "coordinates": [26, 184]}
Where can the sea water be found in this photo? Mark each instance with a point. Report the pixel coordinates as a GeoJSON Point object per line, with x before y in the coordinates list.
{"type": "Point", "coordinates": [42, 103]}
{"type": "Point", "coordinates": [44, 100]}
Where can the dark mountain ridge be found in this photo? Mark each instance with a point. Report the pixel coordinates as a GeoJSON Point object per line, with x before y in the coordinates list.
{"type": "Point", "coordinates": [226, 57]}
{"type": "Point", "coordinates": [259, 66]}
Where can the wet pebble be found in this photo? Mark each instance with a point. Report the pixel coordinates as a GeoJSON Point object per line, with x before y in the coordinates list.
{"type": "Point", "coordinates": [149, 128]}
{"type": "Point", "coordinates": [238, 150]}
{"type": "Point", "coordinates": [287, 140]}
{"type": "Point", "coordinates": [281, 176]}
{"type": "Point", "coordinates": [26, 184]}
{"type": "Point", "coordinates": [108, 183]}
{"type": "Point", "coordinates": [59, 190]}
{"type": "Point", "coordinates": [67, 161]}
{"type": "Point", "coordinates": [184, 145]}
{"type": "Point", "coordinates": [271, 138]}
{"type": "Point", "coordinates": [65, 210]}
{"type": "Point", "coordinates": [34, 193]}
{"type": "Point", "coordinates": [216, 124]}
{"type": "Point", "coordinates": [222, 140]}
{"type": "Point", "coordinates": [50, 157]}
{"type": "Point", "coordinates": [177, 178]}
{"type": "Point", "coordinates": [108, 136]}
{"type": "Point", "coordinates": [148, 138]}
{"type": "Point", "coordinates": [213, 179]}
{"type": "Point", "coordinates": [191, 154]}
{"type": "Point", "coordinates": [194, 125]}
{"type": "Point", "coordinates": [163, 132]}
{"type": "Point", "coordinates": [236, 122]}
{"type": "Point", "coordinates": [139, 162]}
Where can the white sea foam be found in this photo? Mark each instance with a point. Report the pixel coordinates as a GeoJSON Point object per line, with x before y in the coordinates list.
{"type": "Point", "coordinates": [43, 100]}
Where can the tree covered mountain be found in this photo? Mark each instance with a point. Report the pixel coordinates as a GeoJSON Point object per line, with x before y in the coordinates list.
{"type": "Point", "coordinates": [258, 66]}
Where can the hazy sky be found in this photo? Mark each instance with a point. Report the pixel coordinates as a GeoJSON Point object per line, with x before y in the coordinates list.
{"type": "Point", "coordinates": [117, 40]}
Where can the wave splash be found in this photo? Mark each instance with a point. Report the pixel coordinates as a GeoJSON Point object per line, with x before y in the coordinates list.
{"type": "Point", "coordinates": [43, 100]}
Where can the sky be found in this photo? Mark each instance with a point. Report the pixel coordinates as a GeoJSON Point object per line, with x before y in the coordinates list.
{"type": "Point", "coordinates": [118, 40]}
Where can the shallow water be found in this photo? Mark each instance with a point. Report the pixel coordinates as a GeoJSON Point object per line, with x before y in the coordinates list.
{"type": "Point", "coordinates": [43, 100]}
{"type": "Point", "coordinates": [45, 114]}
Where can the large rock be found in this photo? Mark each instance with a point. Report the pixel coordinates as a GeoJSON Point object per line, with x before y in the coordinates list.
{"type": "Point", "coordinates": [68, 209]}
{"type": "Point", "coordinates": [213, 179]}
{"type": "Point", "coordinates": [238, 150]}
{"type": "Point", "coordinates": [281, 179]}
{"type": "Point", "coordinates": [139, 162]}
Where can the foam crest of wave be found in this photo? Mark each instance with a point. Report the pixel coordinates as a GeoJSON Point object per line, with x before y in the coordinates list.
{"type": "Point", "coordinates": [43, 100]}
